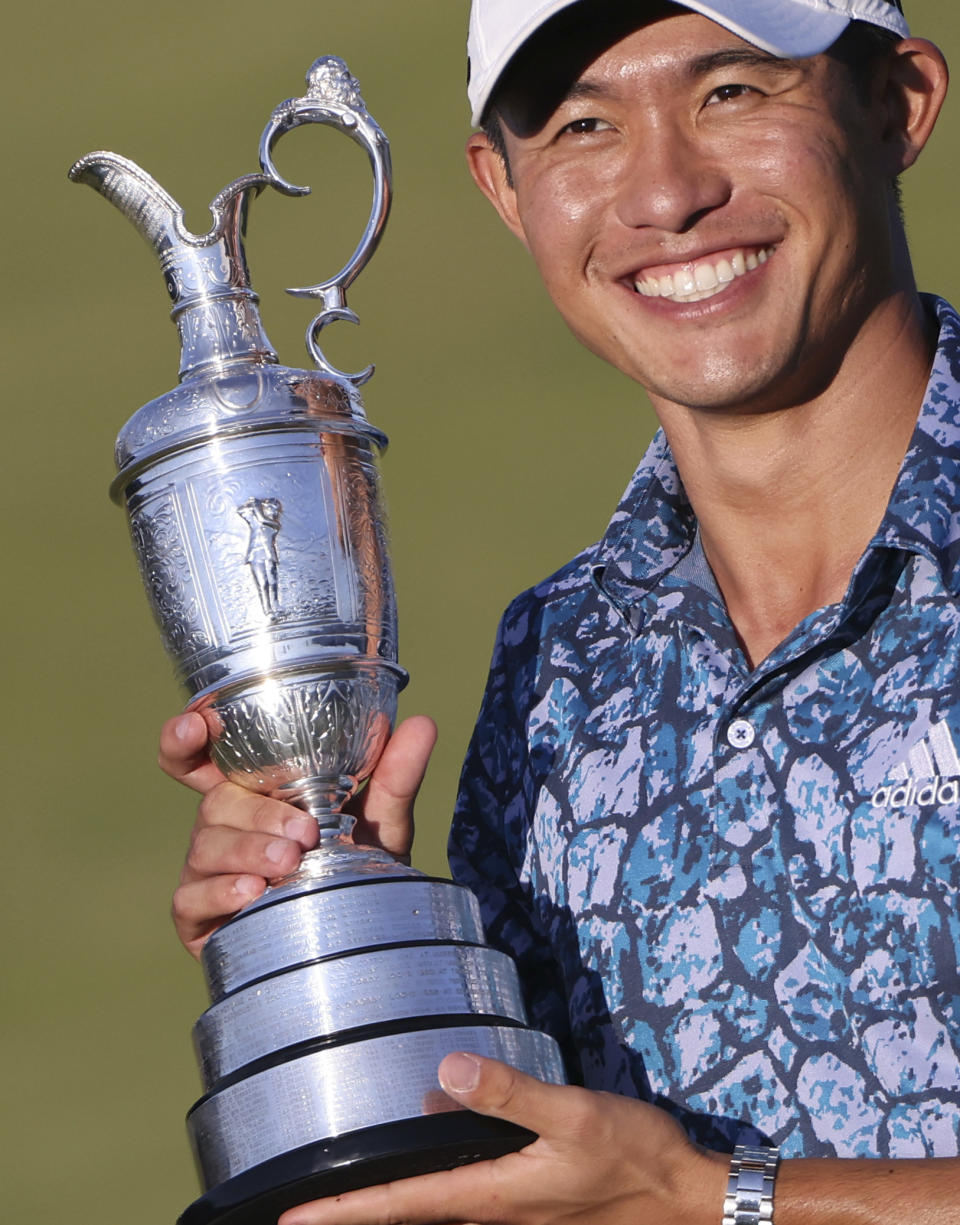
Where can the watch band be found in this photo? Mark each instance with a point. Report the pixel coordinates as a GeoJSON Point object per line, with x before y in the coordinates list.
{"type": "Point", "coordinates": [749, 1198]}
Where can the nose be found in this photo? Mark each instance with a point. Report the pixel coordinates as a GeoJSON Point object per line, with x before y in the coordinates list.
{"type": "Point", "coordinates": [669, 181]}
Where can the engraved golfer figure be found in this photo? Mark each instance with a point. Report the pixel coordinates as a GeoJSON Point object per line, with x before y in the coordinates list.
{"type": "Point", "coordinates": [262, 516]}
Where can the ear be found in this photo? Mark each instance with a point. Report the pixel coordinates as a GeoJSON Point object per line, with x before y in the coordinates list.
{"type": "Point", "coordinates": [489, 171]}
{"type": "Point", "coordinates": [916, 85]}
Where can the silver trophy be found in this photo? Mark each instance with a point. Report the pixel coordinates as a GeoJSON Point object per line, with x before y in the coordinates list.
{"type": "Point", "coordinates": [252, 493]}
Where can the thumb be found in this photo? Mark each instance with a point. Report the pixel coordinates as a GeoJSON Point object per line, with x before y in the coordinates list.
{"type": "Point", "coordinates": [490, 1087]}
{"type": "Point", "coordinates": [385, 806]}
{"type": "Point", "coordinates": [183, 753]}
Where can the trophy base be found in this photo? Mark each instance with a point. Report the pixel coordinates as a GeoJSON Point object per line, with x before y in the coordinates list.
{"type": "Point", "coordinates": [359, 1159]}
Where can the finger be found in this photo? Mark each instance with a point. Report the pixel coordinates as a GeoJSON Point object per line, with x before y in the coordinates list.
{"type": "Point", "coordinates": [219, 850]}
{"type": "Point", "coordinates": [505, 1189]}
{"type": "Point", "coordinates": [234, 806]}
{"type": "Point", "coordinates": [385, 807]}
{"type": "Point", "coordinates": [200, 907]}
{"type": "Point", "coordinates": [490, 1087]}
{"type": "Point", "coordinates": [227, 867]}
{"type": "Point", "coordinates": [477, 1192]}
{"type": "Point", "coordinates": [184, 753]}
{"type": "Point", "coordinates": [435, 1101]}
{"type": "Point", "coordinates": [431, 1199]}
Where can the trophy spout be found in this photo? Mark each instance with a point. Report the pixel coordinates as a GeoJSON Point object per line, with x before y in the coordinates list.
{"type": "Point", "coordinates": [139, 197]}
{"type": "Point", "coordinates": [206, 275]}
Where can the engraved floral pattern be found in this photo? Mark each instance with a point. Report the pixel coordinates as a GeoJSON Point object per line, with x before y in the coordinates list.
{"type": "Point", "coordinates": [323, 728]}
{"type": "Point", "coordinates": [166, 574]}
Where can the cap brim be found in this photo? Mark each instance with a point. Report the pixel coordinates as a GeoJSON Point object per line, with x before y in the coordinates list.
{"type": "Point", "coordinates": [785, 28]}
{"type": "Point", "coordinates": [481, 86]}
{"type": "Point", "coordinates": [791, 30]}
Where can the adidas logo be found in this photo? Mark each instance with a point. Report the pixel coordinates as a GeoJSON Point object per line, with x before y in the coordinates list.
{"type": "Point", "coordinates": [930, 775]}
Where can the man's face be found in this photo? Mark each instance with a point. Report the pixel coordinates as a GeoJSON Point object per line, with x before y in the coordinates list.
{"type": "Point", "coordinates": [713, 221]}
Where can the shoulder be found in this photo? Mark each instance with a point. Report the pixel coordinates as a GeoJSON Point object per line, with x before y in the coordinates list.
{"type": "Point", "coordinates": [548, 631]}
{"type": "Point", "coordinates": [560, 595]}
{"type": "Point", "coordinates": [524, 639]}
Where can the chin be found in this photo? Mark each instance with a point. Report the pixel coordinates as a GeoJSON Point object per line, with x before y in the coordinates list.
{"type": "Point", "coordinates": [722, 381]}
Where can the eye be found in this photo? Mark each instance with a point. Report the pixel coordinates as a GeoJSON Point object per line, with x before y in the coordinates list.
{"type": "Point", "coordinates": [585, 127]}
{"type": "Point", "coordinates": [729, 93]}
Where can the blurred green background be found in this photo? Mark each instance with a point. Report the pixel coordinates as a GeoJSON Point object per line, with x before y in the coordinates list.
{"type": "Point", "coordinates": [510, 449]}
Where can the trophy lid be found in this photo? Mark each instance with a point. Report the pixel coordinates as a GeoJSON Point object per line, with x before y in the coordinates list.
{"type": "Point", "coordinates": [249, 397]}
{"type": "Point", "coordinates": [230, 379]}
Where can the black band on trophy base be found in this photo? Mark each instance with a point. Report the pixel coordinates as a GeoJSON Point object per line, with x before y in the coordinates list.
{"type": "Point", "coordinates": [317, 1096]}
{"type": "Point", "coordinates": [393, 946]}
{"type": "Point", "coordinates": [365, 1033]}
{"type": "Point", "coordinates": [360, 1159]}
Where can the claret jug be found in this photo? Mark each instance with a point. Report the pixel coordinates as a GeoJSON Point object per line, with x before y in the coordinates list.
{"type": "Point", "coordinates": [252, 492]}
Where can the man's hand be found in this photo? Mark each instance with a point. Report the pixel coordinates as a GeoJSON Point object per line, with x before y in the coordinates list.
{"type": "Point", "coordinates": [242, 840]}
{"type": "Point", "coordinates": [607, 1160]}
{"type": "Point", "coordinates": [599, 1160]}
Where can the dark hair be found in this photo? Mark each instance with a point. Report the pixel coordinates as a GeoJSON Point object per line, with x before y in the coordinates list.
{"type": "Point", "coordinates": [493, 130]}
{"type": "Point", "coordinates": [862, 48]}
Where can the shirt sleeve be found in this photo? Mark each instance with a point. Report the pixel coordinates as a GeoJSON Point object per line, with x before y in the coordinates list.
{"type": "Point", "coordinates": [491, 831]}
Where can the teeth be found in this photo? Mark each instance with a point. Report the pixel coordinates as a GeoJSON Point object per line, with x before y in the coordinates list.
{"type": "Point", "coordinates": [684, 282]}
{"type": "Point", "coordinates": [704, 280]}
{"type": "Point", "coordinates": [725, 272]}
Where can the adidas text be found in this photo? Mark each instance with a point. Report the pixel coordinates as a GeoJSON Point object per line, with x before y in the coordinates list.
{"type": "Point", "coordinates": [933, 792]}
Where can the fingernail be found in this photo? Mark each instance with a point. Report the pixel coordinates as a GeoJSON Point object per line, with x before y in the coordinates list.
{"type": "Point", "coordinates": [277, 851]}
{"type": "Point", "coordinates": [297, 828]}
{"type": "Point", "coordinates": [460, 1073]}
{"type": "Point", "coordinates": [181, 727]}
{"type": "Point", "coordinates": [248, 886]}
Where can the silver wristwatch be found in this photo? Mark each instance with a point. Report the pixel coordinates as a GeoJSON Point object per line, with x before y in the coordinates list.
{"type": "Point", "coordinates": [749, 1198]}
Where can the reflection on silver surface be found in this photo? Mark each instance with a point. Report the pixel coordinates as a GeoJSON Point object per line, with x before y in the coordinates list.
{"type": "Point", "coordinates": [344, 993]}
{"type": "Point", "coordinates": [332, 1092]}
{"type": "Point", "coordinates": [254, 504]}
{"type": "Point", "coordinates": [312, 925]}
{"type": "Point", "coordinates": [253, 493]}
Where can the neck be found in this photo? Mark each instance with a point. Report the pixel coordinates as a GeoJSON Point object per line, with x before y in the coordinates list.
{"type": "Point", "coordinates": [787, 500]}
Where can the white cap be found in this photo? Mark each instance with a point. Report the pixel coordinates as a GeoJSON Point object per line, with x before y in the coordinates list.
{"type": "Point", "coordinates": [790, 28]}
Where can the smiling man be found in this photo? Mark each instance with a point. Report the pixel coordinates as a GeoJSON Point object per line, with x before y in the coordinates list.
{"type": "Point", "coordinates": [711, 805]}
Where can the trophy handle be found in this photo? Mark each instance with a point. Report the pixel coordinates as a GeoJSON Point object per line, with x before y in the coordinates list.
{"type": "Point", "coordinates": [333, 98]}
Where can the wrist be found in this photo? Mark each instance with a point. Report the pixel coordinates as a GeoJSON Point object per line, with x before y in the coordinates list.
{"type": "Point", "coordinates": [699, 1192]}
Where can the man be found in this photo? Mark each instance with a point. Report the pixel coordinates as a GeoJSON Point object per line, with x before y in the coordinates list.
{"type": "Point", "coordinates": [711, 805]}
{"type": "Point", "coordinates": [262, 516]}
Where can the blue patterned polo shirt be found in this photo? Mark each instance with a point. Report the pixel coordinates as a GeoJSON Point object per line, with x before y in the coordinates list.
{"type": "Point", "coordinates": [735, 893]}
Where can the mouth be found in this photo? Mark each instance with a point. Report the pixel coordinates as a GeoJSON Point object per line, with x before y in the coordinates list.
{"type": "Point", "coordinates": [700, 279]}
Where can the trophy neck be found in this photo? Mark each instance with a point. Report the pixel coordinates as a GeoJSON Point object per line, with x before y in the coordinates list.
{"type": "Point", "coordinates": [323, 797]}
{"type": "Point", "coordinates": [219, 330]}
{"type": "Point", "coordinates": [214, 308]}
{"type": "Point", "coordinates": [336, 860]}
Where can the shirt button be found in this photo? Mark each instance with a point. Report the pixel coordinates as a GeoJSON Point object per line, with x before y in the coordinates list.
{"type": "Point", "coordinates": [741, 734]}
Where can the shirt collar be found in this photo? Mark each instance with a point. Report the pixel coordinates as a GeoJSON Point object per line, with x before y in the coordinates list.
{"type": "Point", "coordinates": [654, 526]}
{"type": "Point", "coordinates": [923, 515]}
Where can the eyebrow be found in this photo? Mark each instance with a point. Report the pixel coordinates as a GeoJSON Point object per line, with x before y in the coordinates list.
{"type": "Point", "coordinates": [585, 89]}
{"type": "Point", "coordinates": [703, 65]}
{"type": "Point", "coordinates": [738, 57]}
{"type": "Point", "coordinates": [694, 70]}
